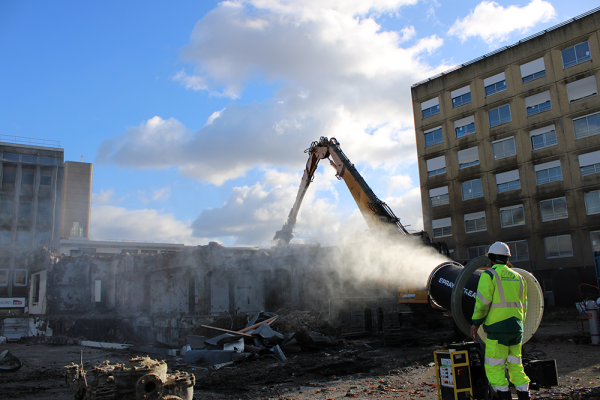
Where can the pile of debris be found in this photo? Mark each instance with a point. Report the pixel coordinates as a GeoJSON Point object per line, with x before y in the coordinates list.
{"type": "Point", "coordinates": [260, 337]}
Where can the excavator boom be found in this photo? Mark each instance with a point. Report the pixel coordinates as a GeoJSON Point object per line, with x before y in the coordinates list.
{"type": "Point", "coordinates": [377, 214]}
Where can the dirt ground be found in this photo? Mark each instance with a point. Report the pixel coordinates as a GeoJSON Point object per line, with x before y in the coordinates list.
{"type": "Point", "coordinates": [359, 368]}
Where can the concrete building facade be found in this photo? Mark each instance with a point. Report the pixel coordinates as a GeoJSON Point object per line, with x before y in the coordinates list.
{"type": "Point", "coordinates": [77, 200]}
{"type": "Point", "coordinates": [31, 179]}
{"type": "Point", "coordinates": [509, 149]}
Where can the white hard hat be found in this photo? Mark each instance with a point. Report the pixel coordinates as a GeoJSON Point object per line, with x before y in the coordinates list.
{"type": "Point", "coordinates": [500, 249]}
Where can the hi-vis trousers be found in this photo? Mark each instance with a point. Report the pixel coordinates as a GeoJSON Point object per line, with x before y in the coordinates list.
{"type": "Point", "coordinates": [504, 349]}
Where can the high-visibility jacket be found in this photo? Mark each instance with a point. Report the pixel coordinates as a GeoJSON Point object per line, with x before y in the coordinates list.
{"type": "Point", "coordinates": [501, 303]}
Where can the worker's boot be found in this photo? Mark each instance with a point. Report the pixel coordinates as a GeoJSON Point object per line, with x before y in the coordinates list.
{"type": "Point", "coordinates": [523, 395]}
{"type": "Point", "coordinates": [504, 395]}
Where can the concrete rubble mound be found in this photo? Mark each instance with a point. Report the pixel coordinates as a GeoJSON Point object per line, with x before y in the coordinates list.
{"type": "Point", "coordinates": [140, 378]}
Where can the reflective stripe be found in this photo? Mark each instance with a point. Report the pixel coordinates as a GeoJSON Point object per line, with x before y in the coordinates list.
{"type": "Point", "coordinates": [483, 299]}
{"type": "Point", "coordinates": [506, 305]}
{"type": "Point", "coordinates": [495, 361]}
{"type": "Point", "coordinates": [523, 388]}
{"type": "Point", "coordinates": [513, 359]}
{"type": "Point", "coordinates": [501, 388]}
{"type": "Point", "coordinates": [521, 289]}
{"type": "Point", "coordinates": [503, 303]}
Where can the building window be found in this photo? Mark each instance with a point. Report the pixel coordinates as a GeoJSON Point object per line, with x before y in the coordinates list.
{"type": "Point", "coordinates": [28, 159]}
{"type": "Point", "coordinates": [582, 89]}
{"type": "Point", "coordinates": [500, 115]}
{"type": "Point", "coordinates": [6, 209]}
{"type": "Point", "coordinates": [3, 277]}
{"type": "Point", "coordinates": [439, 197]}
{"type": "Point", "coordinates": [49, 161]}
{"type": "Point", "coordinates": [533, 70]}
{"type": "Point", "coordinates": [586, 126]}
{"type": "Point", "coordinates": [468, 157]}
{"type": "Point", "coordinates": [538, 103]}
{"type": "Point", "coordinates": [25, 210]}
{"type": "Point", "coordinates": [4, 237]}
{"type": "Point", "coordinates": [129, 251]}
{"type": "Point", "coordinates": [472, 189]}
{"type": "Point", "coordinates": [476, 251]}
{"type": "Point", "coordinates": [41, 238]}
{"type": "Point", "coordinates": [595, 237]}
{"type": "Point", "coordinates": [465, 126]}
{"type": "Point", "coordinates": [46, 180]}
{"type": "Point", "coordinates": [22, 238]}
{"type": "Point", "coordinates": [475, 222]}
{"type": "Point", "coordinates": [558, 246]}
{"type": "Point", "coordinates": [27, 178]}
{"type": "Point", "coordinates": [10, 157]}
{"type": "Point", "coordinates": [436, 166]}
{"type": "Point", "coordinates": [504, 148]}
{"type": "Point", "coordinates": [576, 54]}
{"type": "Point", "coordinates": [519, 250]}
{"type": "Point", "coordinates": [9, 177]}
{"type": "Point", "coordinates": [43, 212]}
{"type": "Point", "coordinates": [548, 172]}
{"type": "Point", "coordinates": [543, 137]}
{"type": "Point", "coordinates": [433, 136]}
{"type": "Point", "coordinates": [592, 202]}
{"type": "Point", "coordinates": [431, 107]}
{"type": "Point", "coordinates": [461, 96]}
{"type": "Point", "coordinates": [442, 227]}
{"type": "Point", "coordinates": [589, 163]}
{"type": "Point", "coordinates": [495, 84]}
{"type": "Point", "coordinates": [508, 181]}
{"type": "Point", "coordinates": [554, 209]}
{"type": "Point", "coordinates": [20, 277]}
{"type": "Point", "coordinates": [512, 216]}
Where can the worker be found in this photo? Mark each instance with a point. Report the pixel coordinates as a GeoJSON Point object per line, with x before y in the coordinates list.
{"type": "Point", "coordinates": [501, 306]}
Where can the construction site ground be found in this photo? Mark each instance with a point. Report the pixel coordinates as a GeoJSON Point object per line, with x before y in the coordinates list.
{"type": "Point", "coordinates": [359, 368]}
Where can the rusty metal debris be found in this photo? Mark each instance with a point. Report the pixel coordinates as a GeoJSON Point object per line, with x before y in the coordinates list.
{"type": "Point", "coordinates": [141, 378]}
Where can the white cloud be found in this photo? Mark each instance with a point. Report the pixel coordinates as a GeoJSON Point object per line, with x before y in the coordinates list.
{"type": "Point", "coordinates": [408, 208]}
{"type": "Point", "coordinates": [399, 182]}
{"type": "Point", "coordinates": [104, 197]}
{"type": "Point", "coordinates": [161, 194]}
{"type": "Point", "coordinates": [111, 222]}
{"type": "Point", "coordinates": [493, 23]}
{"type": "Point", "coordinates": [336, 75]}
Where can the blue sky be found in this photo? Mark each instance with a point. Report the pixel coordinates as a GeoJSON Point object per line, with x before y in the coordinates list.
{"type": "Point", "coordinates": [196, 114]}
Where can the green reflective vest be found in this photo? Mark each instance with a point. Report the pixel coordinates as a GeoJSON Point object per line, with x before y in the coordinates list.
{"type": "Point", "coordinates": [501, 303]}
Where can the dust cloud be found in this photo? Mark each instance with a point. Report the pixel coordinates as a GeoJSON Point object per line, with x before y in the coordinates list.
{"type": "Point", "coordinates": [401, 261]}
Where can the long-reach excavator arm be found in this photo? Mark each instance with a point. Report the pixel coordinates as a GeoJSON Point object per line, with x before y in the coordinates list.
{"type": "Point", "coordinates": [377, 214]}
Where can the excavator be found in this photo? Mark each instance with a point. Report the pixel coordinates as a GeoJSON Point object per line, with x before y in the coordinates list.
{"type": "Point", "coordinates": [379, 217]}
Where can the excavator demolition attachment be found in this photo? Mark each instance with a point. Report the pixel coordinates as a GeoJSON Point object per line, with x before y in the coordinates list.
{"type": "Point", "coordinates": [380, 219]}
{"type": "Point", "coordinates": [378, 215]}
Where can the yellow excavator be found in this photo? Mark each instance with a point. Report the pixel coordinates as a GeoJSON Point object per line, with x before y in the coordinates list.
{"type": "Point", "coordinates": [379, 217]}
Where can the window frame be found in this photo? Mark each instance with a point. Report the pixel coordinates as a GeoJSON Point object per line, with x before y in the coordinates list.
{"type": "Point", "coordinates": [463, 99]}
{"type": "Point", "coordinates": [479, 252]}
{"type": "Point", "coordinates": [432, 133]}
{"type": "Point", "coordinates": [554, 216]}
{"type": "Point", "coordinates": [550, 180]}
{"type": "Point", "coordinates": [442, 229]}
{"type": "Point", "coordinates": [494, 88]}
{"type": "Point", "coordinates": [575, 52]}
{"type": "Point", "coordinates": [565, 255]}
{"type": "Point", "coordinates": [511, 209]}
{"type": "Point", "coordinates": [473, 196]}
{"type": "Point", "coordinates": [588, 134]}
{"type": "Point", "coordinates": [533, 148]}
{"type": "Point", "coordinates": [477, 223]}
{"type": "Point", "coordinates": [513, 245]}
{"type": "Point", "coordinates": [587, 207]}
{"type": "Point", "coordinates": [500, 120]}
{"type": "Point", "coordinates": [504, 154]}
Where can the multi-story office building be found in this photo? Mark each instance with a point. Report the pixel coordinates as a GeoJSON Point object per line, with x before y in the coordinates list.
{"type": "Point", "coordinates": [509, 149]}
{"type": "Point", "coordinates": [30, 206]}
